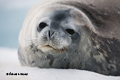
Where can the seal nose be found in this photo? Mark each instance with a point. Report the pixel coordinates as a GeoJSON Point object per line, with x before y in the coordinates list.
{"type": "Point", "coordinates": [50, 33]}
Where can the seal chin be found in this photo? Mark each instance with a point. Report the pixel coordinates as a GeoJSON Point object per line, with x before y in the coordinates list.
{"type": "Point", "coordinates": [47, 48]}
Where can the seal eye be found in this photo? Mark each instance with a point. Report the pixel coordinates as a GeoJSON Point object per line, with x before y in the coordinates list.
{"type": "Point", "coordinates": [41, 26]}
{"type": "Point", "coordinates": [70, 31]}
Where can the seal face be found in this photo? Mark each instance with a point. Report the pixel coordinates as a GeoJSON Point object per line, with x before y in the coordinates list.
{"type": "Point", "coordinates": [57, 32]}
{"type": "Point", "coordinates": [67, 36]}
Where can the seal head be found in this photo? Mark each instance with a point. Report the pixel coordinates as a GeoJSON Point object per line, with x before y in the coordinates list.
{"type": "Point", "coordinates": [57, 32]}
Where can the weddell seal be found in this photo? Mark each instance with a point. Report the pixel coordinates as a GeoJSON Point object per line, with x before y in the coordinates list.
{"type": "Point", "coordinates": [72, 34]}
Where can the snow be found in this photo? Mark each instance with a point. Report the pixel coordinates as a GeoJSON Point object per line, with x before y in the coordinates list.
{"type": "Point", "coordinates": [9, 63]}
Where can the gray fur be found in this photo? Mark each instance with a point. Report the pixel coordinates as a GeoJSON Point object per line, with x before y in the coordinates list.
{"type": "Point", "coordinates": [90, 48]}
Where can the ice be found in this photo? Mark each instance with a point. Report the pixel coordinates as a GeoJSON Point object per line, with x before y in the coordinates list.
{"type": "Point", "coordinates": [9, 63]}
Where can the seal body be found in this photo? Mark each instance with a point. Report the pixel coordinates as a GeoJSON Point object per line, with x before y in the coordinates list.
{"type": "Point", "coordinates": [79, 34]}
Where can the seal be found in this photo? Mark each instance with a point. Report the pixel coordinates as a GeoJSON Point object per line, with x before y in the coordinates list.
{"type": "Point", "coordinates": [78, 34]}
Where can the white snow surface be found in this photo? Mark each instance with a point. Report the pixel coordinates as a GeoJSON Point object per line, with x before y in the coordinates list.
{"type": "Point", "coordinates": [9, 63]}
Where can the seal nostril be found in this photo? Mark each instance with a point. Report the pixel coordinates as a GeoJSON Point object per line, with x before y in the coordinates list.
{"type": "Point", "coordinates": [41, 26]}
{"type": "Point", "coordinates": [50, 33]}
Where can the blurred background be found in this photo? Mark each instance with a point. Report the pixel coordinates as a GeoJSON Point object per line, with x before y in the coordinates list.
{"type": "Point", "coordinates": [12, 15]}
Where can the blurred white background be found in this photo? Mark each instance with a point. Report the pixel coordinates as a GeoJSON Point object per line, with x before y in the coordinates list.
{"type": "Point", "coordinates": [12, 15]}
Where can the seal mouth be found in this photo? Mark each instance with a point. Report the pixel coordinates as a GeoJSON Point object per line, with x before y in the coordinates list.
{"type": "Point", "coordinates": [48, 46]}
{"type": "Point", "coordinates": [55, 49]}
